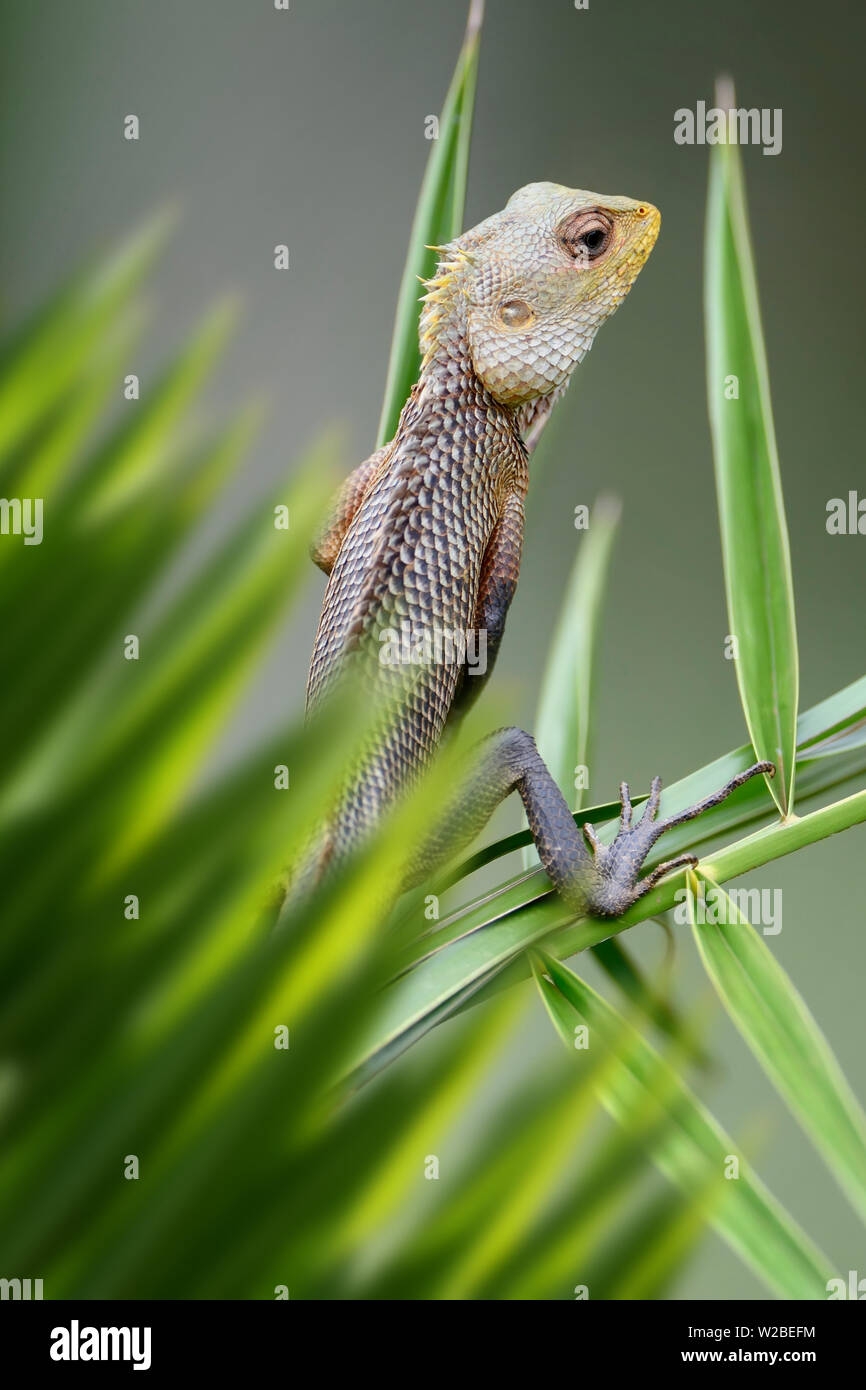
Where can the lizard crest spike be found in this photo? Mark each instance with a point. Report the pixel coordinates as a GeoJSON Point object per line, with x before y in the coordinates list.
{"type": "Point", "coordinates": [425, 537]}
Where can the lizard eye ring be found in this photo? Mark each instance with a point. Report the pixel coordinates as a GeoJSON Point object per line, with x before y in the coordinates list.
{"type": "Point", "coordinates": [515, 313]}
{"type": "Point", "coordinates": [585, 236]}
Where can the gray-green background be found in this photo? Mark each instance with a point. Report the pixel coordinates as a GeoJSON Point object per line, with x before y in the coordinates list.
{"type": "Point", "coordinates": [308, 128]}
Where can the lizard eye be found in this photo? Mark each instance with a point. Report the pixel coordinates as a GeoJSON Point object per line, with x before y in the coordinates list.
{"type": "Point", "coordinates": [593, 241]}
{"type": "Point", "coordinates": [515, 313]}
{"type": "Point", "coordinates": [586, 235]}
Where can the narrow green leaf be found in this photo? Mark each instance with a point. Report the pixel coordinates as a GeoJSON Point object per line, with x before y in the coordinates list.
{"type": "Point", "coordinates": [831, 728]}
{"type": "Point", "coordinates": [438, 219]}
{"type": "Point", "coordinates": [836, 715]}
{"type": "Point", "coordinates": [563, 725]}
{"type": "Point", "coordinates": [48, 354]}
{"type": "Point", "coordinates": [478, 962]}
{"type": "Point", "coordinates": [139, 451]}
{"type": "Point", "coordinates": [498, 848]}
{"type": "Point", "coordinates": [656, 1246]}
{"type": "Point", "coordinates": [775, 1021]}
{"type": "Point", "coordinates": [619, 966]}
{"type": "Point", "coordinates": [697, 1149]}
{"type": "Point", "coordinates": [755, 546]}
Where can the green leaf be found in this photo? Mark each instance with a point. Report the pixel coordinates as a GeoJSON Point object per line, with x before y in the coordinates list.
{"type": "Point", "coordinates": [613, 958]}
{"type": "Point", "coordinates": [751, 510]}
{"type": "Point", "coordinates": [167, 1048]}
{"type": "Point", "coordinates": [139, 452]}
{"type": "Point", "coordinates": [135, 550]}
{"type": "Point", "coordinates": [563, 725]}
{"type": "Point", "coordinates": [775, 1021]}
{"type": "Point", "coordinates": [830, 728]}
{"type": "Point", "coordinates": [659, 1242]}
{"type": "Point", "coordinates": [695, 1152]}
{"type": "Point", "coordinates": [47, 356]}
{"type": "Point", "coordinates": [438, 219]}
{"type": "Point", "coordinates": [522, 914]}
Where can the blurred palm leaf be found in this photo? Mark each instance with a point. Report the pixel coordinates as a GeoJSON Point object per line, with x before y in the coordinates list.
{"type": "Point", "coordinates": [145, 990]}
{"type": "Point", "coordinates": [59, 346]}
{"type": "Point", "coordinates": [146, 878]}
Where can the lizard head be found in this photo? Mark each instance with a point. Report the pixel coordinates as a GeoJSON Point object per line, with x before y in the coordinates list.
{"type": "Point", "coordinates": [538, 279]}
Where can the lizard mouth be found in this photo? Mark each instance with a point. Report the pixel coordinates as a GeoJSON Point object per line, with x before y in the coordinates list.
{"type": "Point", "coordinates": [640, 235]}
{"type": "Point", "coordinates": [653, 220]}
{"type": "Point", "coordinates": [646, 229]}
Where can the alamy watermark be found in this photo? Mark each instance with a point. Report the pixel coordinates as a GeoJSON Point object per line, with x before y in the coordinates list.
{"type": "Point", "coordinates": [77, 1343]}
{"type": "Point", "coordinates": [846, 516]}
{"type": "Point", "coordinates": [715, 125]}
{"type": "Point", "coordinates": [22, 1290]}
{"type": "Point", "coordinates": [434, 646]}
{"type": "Point", "coordinates": [854, 1287]}
{"type": "Point", "coordinates": [22, 516]}
{"type": "Point", "coordinates": [713, 907]}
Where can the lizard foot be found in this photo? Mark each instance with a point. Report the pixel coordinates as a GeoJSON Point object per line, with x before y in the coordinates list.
{"type": "Point", "coordinates": [615, 883]}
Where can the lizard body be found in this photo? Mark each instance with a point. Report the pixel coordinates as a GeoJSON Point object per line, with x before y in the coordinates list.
{"type": "Point", "coordinates": [426, 535]}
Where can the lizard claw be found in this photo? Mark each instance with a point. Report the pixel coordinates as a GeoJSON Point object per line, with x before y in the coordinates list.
{"type": "Point", "coordinates": [668, 867]}
{"type": "Point", "coordinates": [651, 809]}
{"type": "Point", "coordinates": [589, 834]}
{"type": "Point", "coordinates": [615, 883]}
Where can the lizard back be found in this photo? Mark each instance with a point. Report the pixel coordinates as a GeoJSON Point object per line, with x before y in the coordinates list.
{"type": "Point", "coordinates": [408, 570]}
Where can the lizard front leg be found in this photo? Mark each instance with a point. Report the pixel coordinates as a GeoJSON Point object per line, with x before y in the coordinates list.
{"type": "Point", "coordinates": [499, 573]}
{"type": "Point", "coordinates": [327, 545]}
{"type": "Point", "coordinates": [601, 880]}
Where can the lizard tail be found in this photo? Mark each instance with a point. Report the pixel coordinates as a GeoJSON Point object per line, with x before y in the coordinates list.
{"type": "Point", "coordinates": [304, 875]}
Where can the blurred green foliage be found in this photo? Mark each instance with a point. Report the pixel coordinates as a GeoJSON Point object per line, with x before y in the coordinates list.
{"type": "Point", "coordinates": [146, 996]}
{"type": "Point", "coordinates": [194, 1104]}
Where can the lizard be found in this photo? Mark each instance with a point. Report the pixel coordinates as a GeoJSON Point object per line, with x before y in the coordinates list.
{"type": "Point", "coordinates": [426, 536]}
